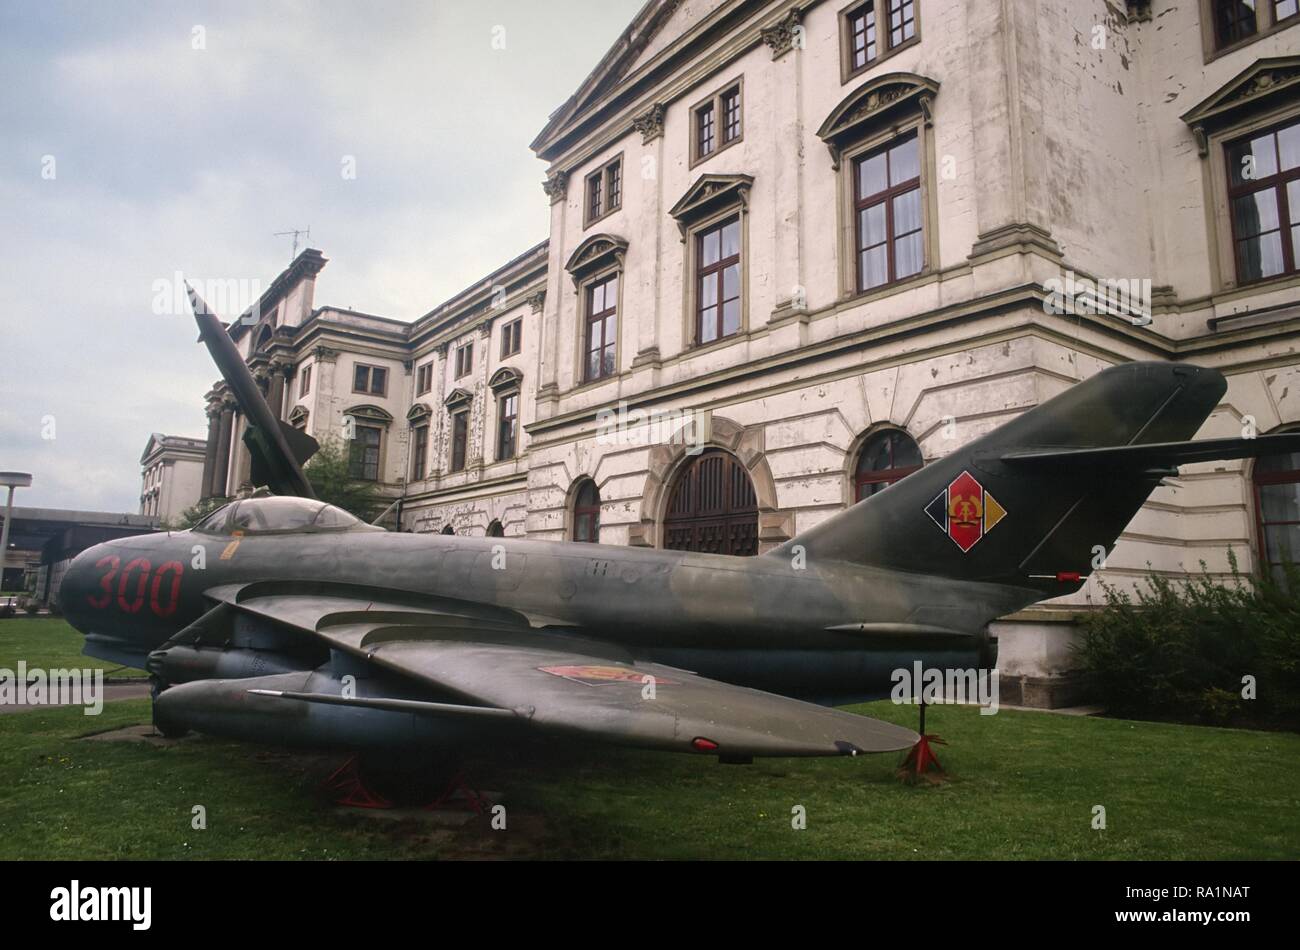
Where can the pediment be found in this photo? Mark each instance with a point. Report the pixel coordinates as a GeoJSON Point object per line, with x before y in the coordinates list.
{"type": "Point", "coordinates": [1260, 85]}
{"type": "Point", "coordinates": [418, 411]}
{"type": "Point", "coordinates": [369, 412]}
{"type": "Point", "coordinates": [458, 397]}
{"type": "Point", "coordinates": [596, 252]}
{"type": "Point", "coordinates": [875, 104]}
{"type": "Point", "coordinates": [506, 377]}
{"type": "Point", "coordinates": [656, 27]}
{"type": "Point", "coordinates": [710, 193]}
{"type": "Point", "coordinates": [298, 414]}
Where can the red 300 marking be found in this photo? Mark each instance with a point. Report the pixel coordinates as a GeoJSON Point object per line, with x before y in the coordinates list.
{"type": "Point", "coordinates": [163, 594]}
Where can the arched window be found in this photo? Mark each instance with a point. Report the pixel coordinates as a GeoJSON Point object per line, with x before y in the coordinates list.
{"type": "Point", "coordinates": [494, 530]}
{"type": "Point", "coordinates": [1277, 509]}
{"type": "Point", "coordinates": [586, 512]}
{"type": "Point", "coordinates": [448, 529]}
{"type": "Point", "coordinates": [712, 507]}
{"type": "Point", "coordinates": [885, 458]}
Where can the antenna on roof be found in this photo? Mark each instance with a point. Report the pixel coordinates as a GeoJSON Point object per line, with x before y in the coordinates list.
{"type": "Point", "coordinates": [305, 232]}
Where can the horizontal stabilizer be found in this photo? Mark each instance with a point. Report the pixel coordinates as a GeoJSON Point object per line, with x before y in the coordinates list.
{"type": "Point", "coordinates": [1156, 454]}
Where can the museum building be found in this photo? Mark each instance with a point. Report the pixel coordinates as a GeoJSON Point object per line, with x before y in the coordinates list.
{"type": "Point", "coordinates": [798, 250]}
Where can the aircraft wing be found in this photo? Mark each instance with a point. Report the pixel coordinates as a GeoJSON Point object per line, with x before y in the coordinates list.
{"type": "Point", "coordinates": [498, 665]}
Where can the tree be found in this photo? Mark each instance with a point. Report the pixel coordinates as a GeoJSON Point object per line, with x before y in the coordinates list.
{"type": "Point", "coordinates": [330, 477]}
{"type": "Point", "coordinates": [193, 514]}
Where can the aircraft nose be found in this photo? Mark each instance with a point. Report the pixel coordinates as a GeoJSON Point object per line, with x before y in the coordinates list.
{"type": "Point", "coordinates": [80, 585]}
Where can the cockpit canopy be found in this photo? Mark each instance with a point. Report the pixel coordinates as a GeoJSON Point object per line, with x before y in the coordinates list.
{"type": "Point", "coordinates": [279, 514]}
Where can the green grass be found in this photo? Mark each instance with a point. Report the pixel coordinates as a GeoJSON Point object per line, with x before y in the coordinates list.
{"type": "Point", "coordinates": [50, 643]}
{"type": "Point", "coordinates": [1022, 786]}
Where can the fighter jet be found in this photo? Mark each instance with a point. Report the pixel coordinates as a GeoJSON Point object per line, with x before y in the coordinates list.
{"type": "Point", "coordinates": [287, 620]}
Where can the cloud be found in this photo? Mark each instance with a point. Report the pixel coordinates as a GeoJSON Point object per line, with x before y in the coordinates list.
{"type": "Point", "coordinates": [167, 157]}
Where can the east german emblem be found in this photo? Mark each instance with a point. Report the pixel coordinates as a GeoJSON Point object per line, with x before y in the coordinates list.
{"type": "Point", "coordinates": [965, 511]}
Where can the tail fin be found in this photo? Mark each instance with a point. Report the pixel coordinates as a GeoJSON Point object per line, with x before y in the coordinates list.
{"type": "Point", "coordinates": [1028, 503]}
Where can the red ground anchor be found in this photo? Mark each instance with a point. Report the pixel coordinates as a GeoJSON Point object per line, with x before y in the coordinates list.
{"type": "Point", "coordinates": [921, 762]}
{"type": "Point", "coordinates": [470, 797]}
{"type": "Point", "coordinates": [347, 788]}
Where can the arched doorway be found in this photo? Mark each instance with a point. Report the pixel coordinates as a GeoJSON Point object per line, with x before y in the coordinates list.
{"type": "Point", "coordinates": [1277, 511]}
{"type": "Point", "coordinates": [884, 458]}
{"type": "Point", "coordinates": [712, 507]}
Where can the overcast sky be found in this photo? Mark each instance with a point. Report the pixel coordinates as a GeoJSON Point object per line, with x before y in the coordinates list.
{"type": "Point", "coordinates": [127, 155]}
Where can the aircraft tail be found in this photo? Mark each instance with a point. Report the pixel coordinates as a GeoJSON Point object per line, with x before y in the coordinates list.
{"type": "Point", "coordinates": [1033, 502]}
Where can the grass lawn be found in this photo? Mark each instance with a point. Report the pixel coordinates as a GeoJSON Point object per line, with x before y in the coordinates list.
{"type": "Point", "coordinates": [50, 643]}
{"type": "Point", "coordinates": [1023, 786]}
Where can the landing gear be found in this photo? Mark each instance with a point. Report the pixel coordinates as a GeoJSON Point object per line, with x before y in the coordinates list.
{"type": "Point", "coordinates": [169, 729]}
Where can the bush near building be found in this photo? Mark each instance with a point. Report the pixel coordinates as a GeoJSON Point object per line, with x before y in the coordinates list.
{"type": "Point", "coordinates": [1195, 649]}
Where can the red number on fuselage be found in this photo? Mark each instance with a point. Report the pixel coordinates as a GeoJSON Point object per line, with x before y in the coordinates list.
{"type": "Point", "coordinates": [106, 582]}
{"type": "Point", "coordinates": [134, 605]}
{"type": "Point", "coordinates": [173, 596]}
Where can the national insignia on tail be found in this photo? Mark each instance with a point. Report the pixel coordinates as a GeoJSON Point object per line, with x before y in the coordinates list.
{"type": "Point", "coordinates": [965, 511]}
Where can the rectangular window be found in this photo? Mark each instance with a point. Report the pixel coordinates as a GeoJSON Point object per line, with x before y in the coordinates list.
{"type": "Point", "coordinates": [304, 382]}
{"type": "Point", "coordinates": [1283, 9]}
{"type": "Point", "coordinates": [465, 360]}
{"type": "Point", "coordinates": [363, 457]}
{"type": "Point", "coordinates": [863, 39]}
{"type": "Point", "coordinates": [511, 337]}
{"type": "Point", "coordinates": [419, 451]}
{"type": "Point", "coordinates": [459, 440]}
{"type": "Point", "coordinates": [507, 426]}
{"type": "Point", "coordinates": [602, 328]}
{"type": "Point", "coordinates": [888, 231]}
{"type": "Point", "coordinates": [716, 123]}
{"type": "Point", "coordinates": [1264, 200]}
{"type": "Point", "coordinates": [1234, 21]}
{"type": "Point", "coordinates": [423, 379]}
{"type": "Point", "coordinates": [717, 281]}
{"type": "Point", "coordinates": [604, 190]}
{"type": "Point", "coordinates": [370, 379]}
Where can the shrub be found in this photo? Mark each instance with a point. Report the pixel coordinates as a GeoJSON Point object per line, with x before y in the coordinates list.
{"type": "Point", "coordinates": [1180, 648]}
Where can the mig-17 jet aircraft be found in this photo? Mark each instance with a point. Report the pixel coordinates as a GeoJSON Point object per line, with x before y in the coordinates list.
{"type": "Point", "coordinates": [302, 625]}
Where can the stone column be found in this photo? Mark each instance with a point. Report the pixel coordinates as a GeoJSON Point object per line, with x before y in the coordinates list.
{"type": "Point", "coordinates": [210, 450]}
{"type": "Point", "coordinates": [221, 472]}
{"type": "Point", "coordinates": [276, 394]}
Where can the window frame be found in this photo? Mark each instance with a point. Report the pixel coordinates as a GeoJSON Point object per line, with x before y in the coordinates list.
{"type": "Point", "coordinates": [604, 178]}
{"type": "Point", "coordinates": [420, 451]}
{"type": "Point", "coordinates": [512, 338]}
{"type": "Point", "coordinates": [699, 274]}
{"type": "Point", "coordinates": [917, 124]}
{"type": "Point", "coordinates": [1266, 24]}
{"type": "Point", "coordinates": [883, 476]}
{"type": "Point", "coordinates": [1218, 210]}
{"type": "Point", "coordinates": [586, 291]}
{"type": "Point", "coordinates": [304, 380]}
{"type": "Point", "coordinates": [464, 359]}
{"type": "Point", "coordinates": [378, 446]}
{"type": "Point", "coordinates": [715, 102]}
{"type": "Point", "coordinates": [459, 440]}
{"type": "Point", "coordinates": [1275, 183]}
{"type": "Point", "coordinates": [502, 398]}
{"type": "Point", "coordinates": [370, 369]}
{"type": "Point", "coordinates": [424, 378]}
{"type": "Point", "coordinates": [887, 198]}
{"type": "Point", "coordinates": [581, 511]}
{"type": "Point", "coordinates": [884, 50]}
{"type": "Point", "coordinates": [1257, 480]}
